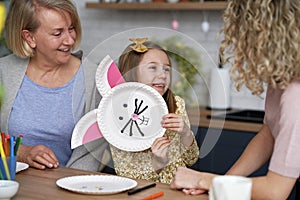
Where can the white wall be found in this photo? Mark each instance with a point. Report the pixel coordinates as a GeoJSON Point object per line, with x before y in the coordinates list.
{"type": "Point", "coordinates": [100, 25]}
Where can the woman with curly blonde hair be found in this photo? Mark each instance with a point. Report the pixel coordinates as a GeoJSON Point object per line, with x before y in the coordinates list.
{"type": "Point", "coordinates": [261, 39]}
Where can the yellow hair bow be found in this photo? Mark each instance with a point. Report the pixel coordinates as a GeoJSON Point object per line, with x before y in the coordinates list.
{"type": "Point", "coordinates": [138, 44]}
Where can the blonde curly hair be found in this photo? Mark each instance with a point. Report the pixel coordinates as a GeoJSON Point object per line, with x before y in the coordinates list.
{"type": "Point", "coordinates": [262, 37]}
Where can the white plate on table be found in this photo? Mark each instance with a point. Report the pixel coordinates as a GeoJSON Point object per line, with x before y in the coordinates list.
{"type": "Point", "coordinates": [21, 166]}
{"type": "Point", "coordinates": [96, 184]}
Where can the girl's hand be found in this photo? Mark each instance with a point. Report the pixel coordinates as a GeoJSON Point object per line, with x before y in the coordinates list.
{"type": "Point", "coordinates": [159, 149]}
{"type": "Point", "coordinates": [176, 123]}
{"type": "Point", "coordinates": [38, 156]}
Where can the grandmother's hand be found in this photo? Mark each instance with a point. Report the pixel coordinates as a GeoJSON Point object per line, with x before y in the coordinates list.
{"type": "Point", "coordinates": [38, 156]}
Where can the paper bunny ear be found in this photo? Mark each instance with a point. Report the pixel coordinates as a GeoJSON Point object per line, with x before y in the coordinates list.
{"type": "Point", "coordinates": [107, 75]}
{"type": "Point", "coordinates": [86, 130]}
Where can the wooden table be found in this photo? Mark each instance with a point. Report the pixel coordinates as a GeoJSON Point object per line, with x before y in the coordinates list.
{"type": "Point", "coordinates": [41, 184]}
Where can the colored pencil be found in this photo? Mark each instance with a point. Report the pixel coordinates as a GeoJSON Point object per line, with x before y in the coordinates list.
{"type": "Point", "coordinates": [1, 176]}
{"type": "Point", "coordinates": [12, 160]}
{"type": "Point", "coordinates": [2, 170]}
{"type": "Point", "coordinates": [3, 157]}
{"type": "Point", "coordinates": [18, 142]}
{"type": "Point", "coordinates": [153, 196]}
{"type": "Point", "coordinates": [136, 190]}
{"type": "Point", "coordinates": [6, 145]}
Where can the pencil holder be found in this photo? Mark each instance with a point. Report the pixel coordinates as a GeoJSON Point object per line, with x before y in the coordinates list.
{"type": "Point", "coordinates": [8, 168]}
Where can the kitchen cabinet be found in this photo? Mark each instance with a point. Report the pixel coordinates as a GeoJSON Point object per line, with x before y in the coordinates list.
{"type": "Point", "coordinates": [226, 151]}
{"type": "Point", "coordinates": [202, 117]}
{"type": "Point", "coordinates": [207, 5]}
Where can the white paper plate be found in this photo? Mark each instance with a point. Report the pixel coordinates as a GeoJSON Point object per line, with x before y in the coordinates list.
{"type": "Point", "coordinates": [21, 166]}
{"type": "Point", "coordinates": [116, 110]}
{"type": "Point", "coordinates": [96, 184]}
{"type": "Point", "coordinates": [107, 75]}
{"type": "Point", "coordinates": [86, 130]}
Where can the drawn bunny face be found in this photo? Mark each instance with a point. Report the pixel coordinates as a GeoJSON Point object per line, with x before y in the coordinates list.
{"type": "Point", "coordinates": [129, 113]}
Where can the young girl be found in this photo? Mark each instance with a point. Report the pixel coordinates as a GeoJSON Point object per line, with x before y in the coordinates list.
{"type": "Point", "coordinates": [148, 63]}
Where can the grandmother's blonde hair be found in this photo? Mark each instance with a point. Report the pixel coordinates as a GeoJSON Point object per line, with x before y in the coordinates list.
{"type": "Point", "coordinates": [22, 15]}
{"type": "Point", "coordinates": [263, 39]}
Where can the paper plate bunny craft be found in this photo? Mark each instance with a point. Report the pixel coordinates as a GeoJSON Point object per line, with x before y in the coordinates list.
{"type": "Point", "coordinates": [128, 115]}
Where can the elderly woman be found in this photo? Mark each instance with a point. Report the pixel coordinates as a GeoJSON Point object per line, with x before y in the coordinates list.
{"type": "Point", "coordinates": [47, 88]}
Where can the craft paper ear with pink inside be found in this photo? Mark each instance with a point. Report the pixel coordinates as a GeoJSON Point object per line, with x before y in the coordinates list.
{"type": "Point", "coordinates": [87, 129]}
{"type": "Point", "coordinates": [107, 75]}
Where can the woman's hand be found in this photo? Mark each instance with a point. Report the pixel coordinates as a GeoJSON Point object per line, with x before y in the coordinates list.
{"type": "Point", "coordinates": [176, 123]}
{"type": "Point", "coordinates": [38, 156]}
{"type": "Point", "coordinates": [159, 149]}
{"type": "Point", "coordinates": [191, 182]}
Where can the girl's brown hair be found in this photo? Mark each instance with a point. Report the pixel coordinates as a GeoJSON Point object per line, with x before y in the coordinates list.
{"type": "Point", "coordinates": [130, 59]}
{"type": "Point", "coordinates": [263, 38]}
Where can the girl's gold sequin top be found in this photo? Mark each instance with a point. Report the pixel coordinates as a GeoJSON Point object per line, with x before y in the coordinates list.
{"type": "Point", "coordinates": [138, 165]}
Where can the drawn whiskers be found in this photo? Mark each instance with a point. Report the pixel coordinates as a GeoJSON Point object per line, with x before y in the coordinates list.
{"type": "Point", "coordinates": [135, 117]}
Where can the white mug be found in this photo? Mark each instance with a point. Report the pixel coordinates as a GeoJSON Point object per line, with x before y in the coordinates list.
{"type": "Point", "coordinates": [230, 188]}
